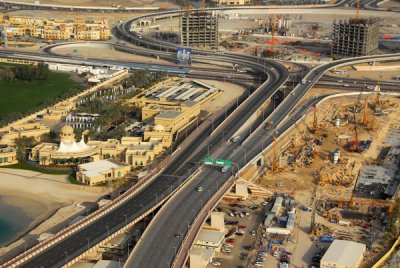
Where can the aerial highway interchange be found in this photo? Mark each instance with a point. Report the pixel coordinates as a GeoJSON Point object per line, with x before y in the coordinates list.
{"type": "Point", "coordinates": [158, 247]}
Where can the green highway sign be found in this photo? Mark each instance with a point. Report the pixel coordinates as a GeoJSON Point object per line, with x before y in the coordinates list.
{"type": "Point", "coordinates": [208, 161]}
{"type": "Point", "coordinates": [220, 162]}
{"type": "Point", "coordinates": [228, 163]}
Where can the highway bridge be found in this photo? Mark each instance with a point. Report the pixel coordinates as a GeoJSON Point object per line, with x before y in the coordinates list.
{"type": "Point", "coordinates": [177, 169]}
{"type": "Point", "coordinates": [158, 248]}
{"type": "Point", "coordinates": [131, 206]}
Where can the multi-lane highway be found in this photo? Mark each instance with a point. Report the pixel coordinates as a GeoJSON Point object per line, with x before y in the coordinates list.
{"type": "Point", "coordinates": [86, 237]}
{"type": "Point", "coordinates": [178, 170]}
{"type": "Point", "coordinates": [159, 246]}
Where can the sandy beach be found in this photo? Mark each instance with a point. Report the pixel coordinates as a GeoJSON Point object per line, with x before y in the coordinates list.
{"type": "Point", "coordinates": [37, 203]}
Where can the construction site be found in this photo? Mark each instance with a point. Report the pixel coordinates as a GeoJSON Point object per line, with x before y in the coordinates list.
{"type": "Point", "coordinates": [346, 152]}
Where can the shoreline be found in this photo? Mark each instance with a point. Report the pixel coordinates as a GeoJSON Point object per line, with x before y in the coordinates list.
{"type": "Point", "coordinates": [35, 211]}
{"type": "Point", "coordinates": [50, 201]}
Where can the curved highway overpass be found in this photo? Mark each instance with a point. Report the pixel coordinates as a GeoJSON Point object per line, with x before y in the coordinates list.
{"type": "Point", "coordinates": [159, 246]}
{"type": "Point", "coordinates": [131, 206]}
{"type": "Point", "coordinates": [174, 172]}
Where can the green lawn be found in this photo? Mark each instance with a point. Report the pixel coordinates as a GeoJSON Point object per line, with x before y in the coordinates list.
{"type": "Point", "coordinates": [64, 171]}
{"type": "Point", "coordinates": [22, 96]}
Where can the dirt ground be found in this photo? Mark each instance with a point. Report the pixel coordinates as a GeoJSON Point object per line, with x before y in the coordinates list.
{"type": "Point", "coordinates": [300, 181]}
{"type": "Point", "coordinates": [230, 92]}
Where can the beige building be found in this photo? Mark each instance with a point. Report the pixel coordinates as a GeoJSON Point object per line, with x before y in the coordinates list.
{"type": "Point", "coordinates": [8, 156]}
{"type": "Point", "coordinates": [200, 257]}
{"type": "Point", "coordinates": [131, 150]}
{"type": "Point", "coordinates": [56, 29]}
{"type": "Point", "coordinates": [343, 254]}
{"type": "Point", "coordinates": [210, 239]}
{"type": "Point", "coordinates": [35, 130]}
{"type": "Point", "coordinates": [101, 171]}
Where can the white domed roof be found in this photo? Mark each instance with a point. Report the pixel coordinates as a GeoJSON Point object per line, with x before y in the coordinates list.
{"type": "Point", "coordinates": [158, 128]}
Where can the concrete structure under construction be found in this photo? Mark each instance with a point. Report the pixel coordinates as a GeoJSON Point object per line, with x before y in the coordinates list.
{"type": "Point", "coordinates": [355, 37]}
{"type": "Point", "coordinates": [199, 29]}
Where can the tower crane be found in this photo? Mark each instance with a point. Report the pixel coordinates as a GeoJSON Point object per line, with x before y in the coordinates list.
{"type": "Point", "coordinates": [275, 163]}
{"type": "Point", "coordinates": [356, 142]}
{"type": "Point", "coordinates": [365, 120]}
{"type": "Point", "coordinates": [378, 90]}
{"type": "Point", "coordinates": [358, 10]}
{"type": "Point", "coordinates": [272, 34]}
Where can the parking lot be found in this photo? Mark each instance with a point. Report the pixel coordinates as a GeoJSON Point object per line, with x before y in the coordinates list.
{"type": "Point", "coordinates": [248, 245]}
{"type": "Point", "coordinates": [246, 239]}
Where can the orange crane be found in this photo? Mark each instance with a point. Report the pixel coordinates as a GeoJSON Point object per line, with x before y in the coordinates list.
{"type": "Point", "coordinates": [202, 6]}
{"type": "Point", "coordinates": [272, 34]}
{"type": "Point", "coordinates": [351, 202]}
{"type": "Point", "coordinates": [365, 120]}
{"type": "Point", "coordinates": [356, 142]}
{"type": "Point", "coordinates": [358, 10]}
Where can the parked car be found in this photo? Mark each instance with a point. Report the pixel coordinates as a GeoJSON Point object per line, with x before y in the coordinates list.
{"type": "Point", "coordinates": [226, 250]}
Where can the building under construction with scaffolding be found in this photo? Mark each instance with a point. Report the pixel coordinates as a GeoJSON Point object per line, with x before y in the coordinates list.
{"type": "Point", "coordinates": [199, 29]}
{"type": "Point", "coordinates": [355, 37]}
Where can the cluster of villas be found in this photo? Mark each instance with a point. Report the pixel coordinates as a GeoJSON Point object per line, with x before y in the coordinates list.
{"type": "Point", "coordinates": [100, 161]}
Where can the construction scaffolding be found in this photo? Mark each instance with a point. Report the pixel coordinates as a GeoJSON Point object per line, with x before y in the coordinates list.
{"type": "Point", "coordinates": [355, 37]}
{"type": "Point", "coordinates": [199, 29]}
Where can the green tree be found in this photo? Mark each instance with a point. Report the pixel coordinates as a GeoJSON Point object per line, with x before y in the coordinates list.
{"type": "Point", "coordinates": [23, 144]}
{"type": "Point", "coordinates": [393, 227]}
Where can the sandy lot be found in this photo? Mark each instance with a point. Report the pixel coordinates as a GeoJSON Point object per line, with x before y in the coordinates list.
{"type": "Point", "coordinates": [229, 94]}
{"type": "Point", "coordinates": [49, 199]}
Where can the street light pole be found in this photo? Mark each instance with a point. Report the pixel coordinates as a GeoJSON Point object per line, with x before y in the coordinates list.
{"type": "Point", "coordinates": [128, 248]}
{"type": "Point", "coordinates": [108, 231]}
{"type": "Point", "coordinates": [88, 243]}
{"type": "Point", "coordinates": [66, 257]}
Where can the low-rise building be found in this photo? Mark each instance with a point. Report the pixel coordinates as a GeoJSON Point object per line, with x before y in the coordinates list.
{"type": "Point", "coordinates": [81, 120]}
{"type": "Point", "coordinates": [200, 257]}
{"type": "Point", "coordinates": [101, 171]}
{"type": "Point", "coordinates": [8, 156]}
{"type": "Point", "coordinates": [210, 239]}
{"type": "Point", "coordinates": [55, 29]}
{"type": "Point", "coordinates": [35, 130]}
{"type": "Point", "coordinates": [343, 254]}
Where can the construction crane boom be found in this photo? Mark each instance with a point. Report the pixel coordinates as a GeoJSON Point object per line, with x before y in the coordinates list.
{"type": "Point", "coordinates": [365, 120]}
{"type": "Point", "coordinates": [358, 10]}
{"type": "Point", "coordinates": [202, 6]}
{"type": "Point", "coordinates": [356, 142]}
{"type": "Point", "coordinates": [272, 35]}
